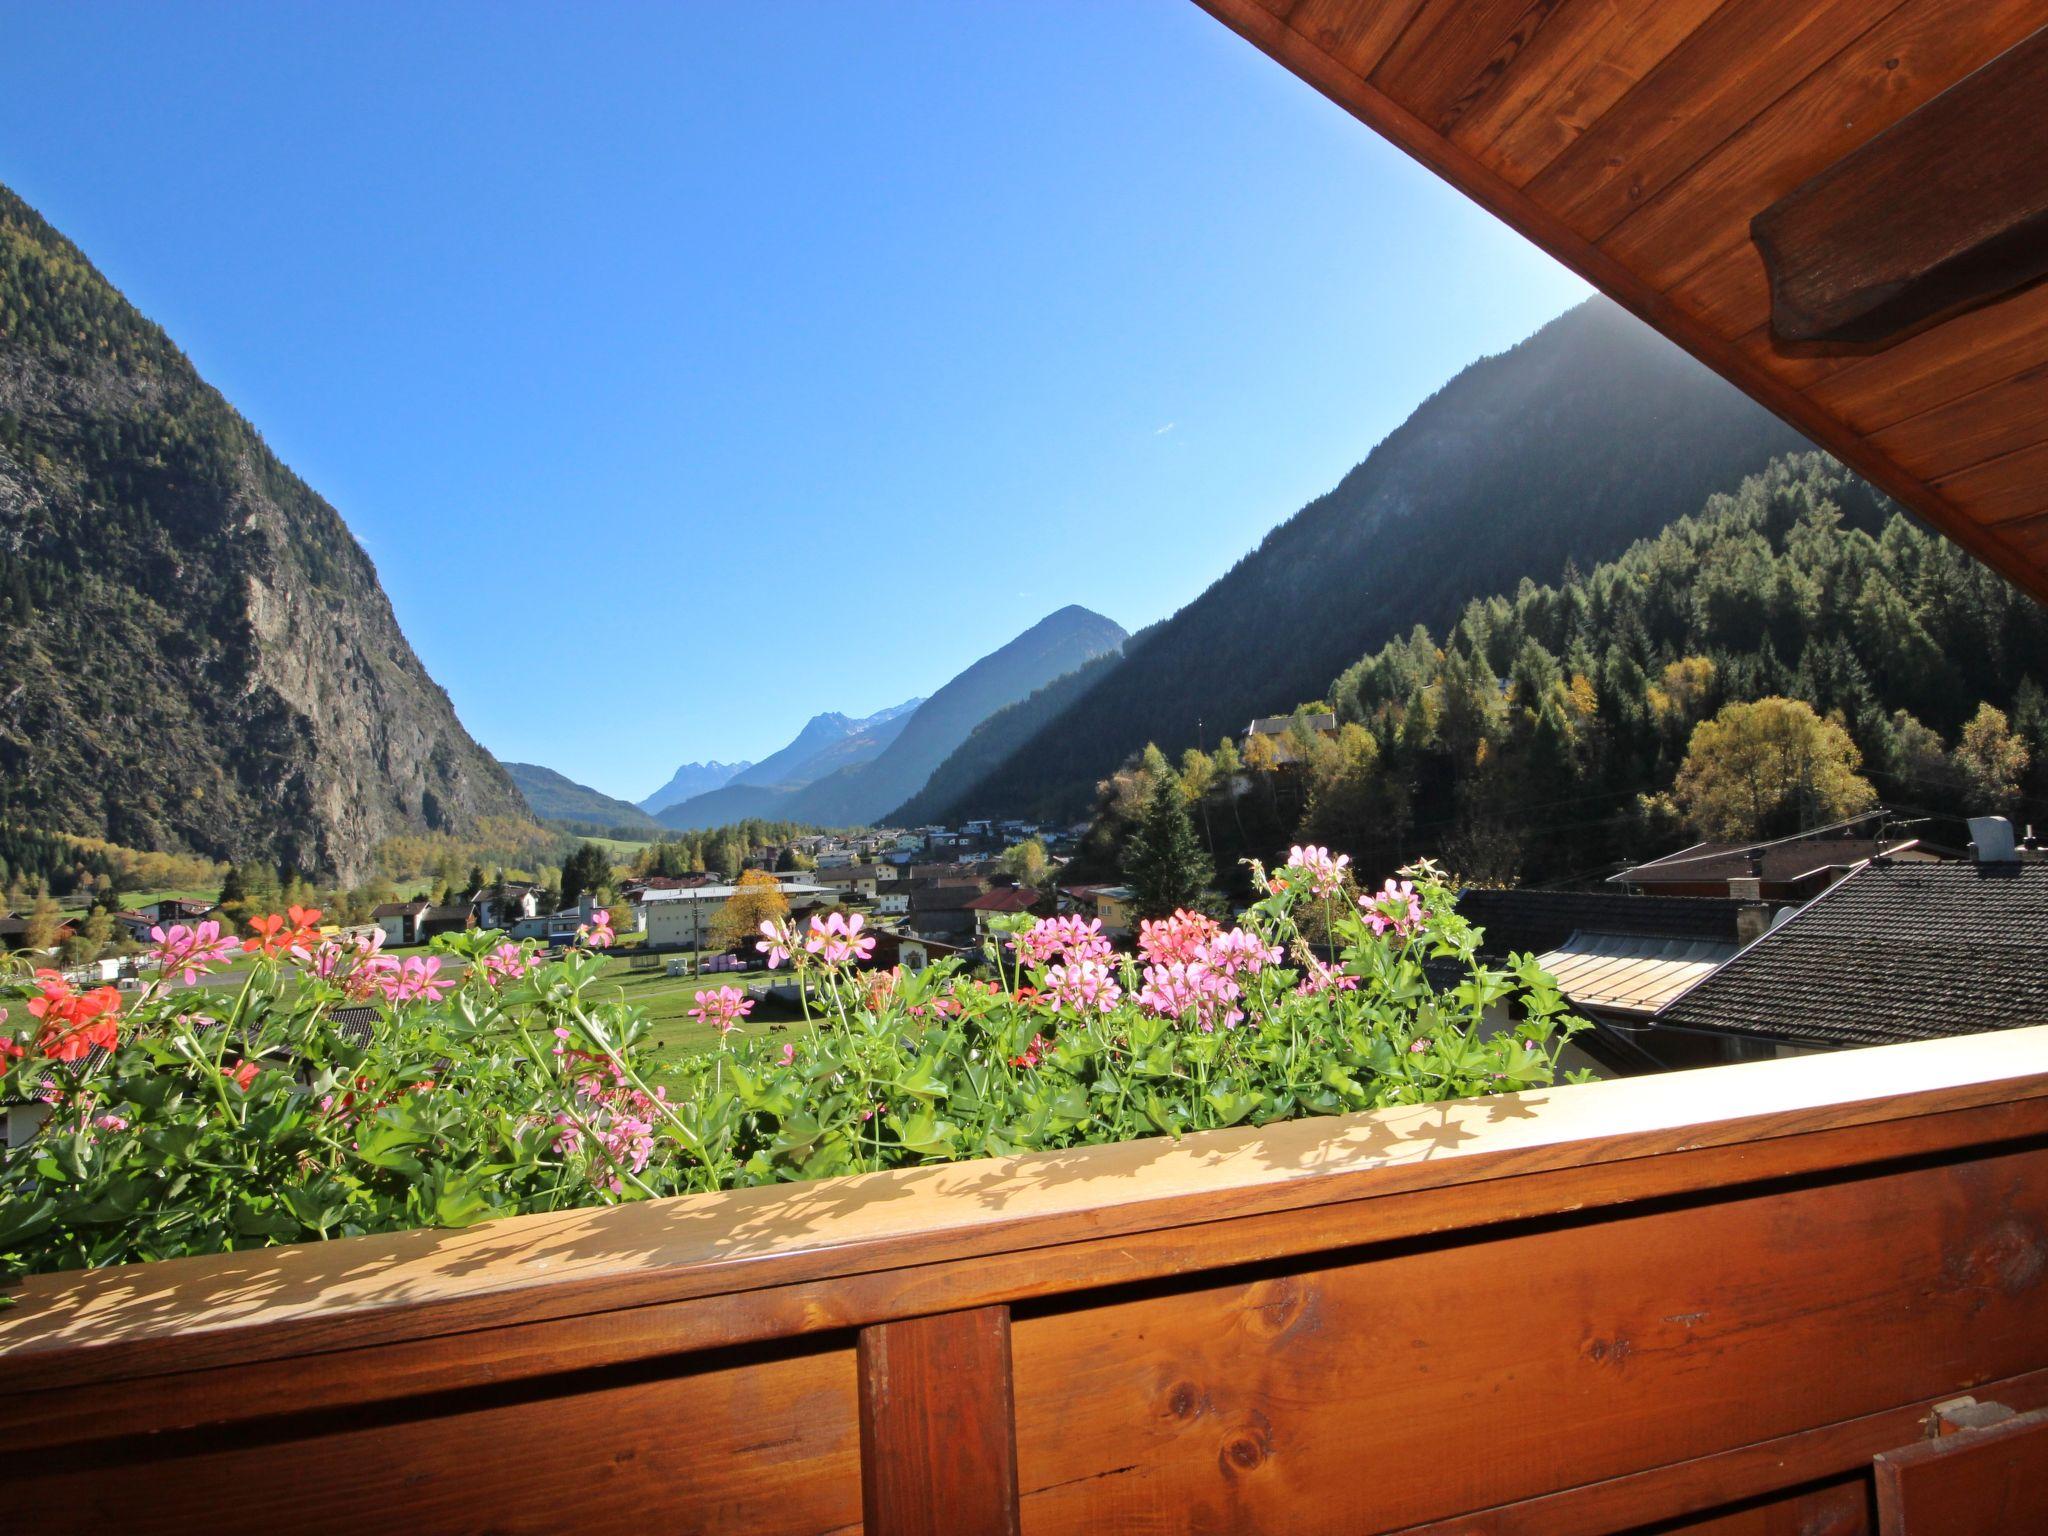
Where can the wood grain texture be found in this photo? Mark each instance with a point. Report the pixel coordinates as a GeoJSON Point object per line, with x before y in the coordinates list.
{"type": "Point", "coordinates": [1838, 1509]}
{"type": "Point", "coordinates": [1942, 211]}
{"type": "Point", "coordinates": [1415, 1386]}
{"type": "Point", "coordinates": [767, 1446]}
{"type": "Point", "coordinates": [938, 1437]}
{"type": "Point", "coordinates": [1901, 63]}
{"type": "Point", "coordinates": [1704, 92]}
{"type": "Point", "coordinates": [1968, 354]}
{"type": "Point", "coordinates": [1593, 53]}
{"type": "Point", "coordinates": [1979, 1482]}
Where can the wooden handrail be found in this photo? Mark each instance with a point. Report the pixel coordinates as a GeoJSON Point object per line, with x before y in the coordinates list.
{"type": "Point", "coordinates": [112, 1323]}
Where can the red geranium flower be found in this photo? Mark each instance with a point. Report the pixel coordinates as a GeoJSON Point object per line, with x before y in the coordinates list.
{"type": "Point", "coordinates": [243, 1075]}
{"type": "Point", "coordinates": [266, 935]}
{"type": "Point", "coordinates": [74, 1023]}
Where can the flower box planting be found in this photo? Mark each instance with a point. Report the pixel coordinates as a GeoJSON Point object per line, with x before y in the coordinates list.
{"type": "Point", "coordinates": [499, 1081]}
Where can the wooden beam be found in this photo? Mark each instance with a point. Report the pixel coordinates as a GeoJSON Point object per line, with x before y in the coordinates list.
{"type": "Point", "coordinates": [938, 1432]}
{"type": "Point", "coordinates": [1944, 211]}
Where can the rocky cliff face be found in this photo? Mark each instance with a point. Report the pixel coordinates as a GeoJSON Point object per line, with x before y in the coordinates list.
{"type": "Point", "coordinates": [194, 652]}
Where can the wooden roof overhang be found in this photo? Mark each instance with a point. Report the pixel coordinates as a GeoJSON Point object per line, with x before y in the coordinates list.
{"type": "Point", "coordinates": [1890, 157]}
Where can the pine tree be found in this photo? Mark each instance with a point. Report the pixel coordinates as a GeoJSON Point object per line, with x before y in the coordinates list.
{"type": "Point", "coordinates": [1165, 864]}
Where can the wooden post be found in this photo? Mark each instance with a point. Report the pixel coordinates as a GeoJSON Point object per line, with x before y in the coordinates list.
{"type": "Point", "coordinates": [938, 1433]}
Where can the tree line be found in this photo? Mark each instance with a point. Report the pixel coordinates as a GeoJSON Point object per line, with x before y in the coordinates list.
{"type": "Point", "coordinates": [1797, 650]}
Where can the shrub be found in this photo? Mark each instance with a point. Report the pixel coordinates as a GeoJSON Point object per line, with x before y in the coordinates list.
{"type": "Point", "coordinates": [517, 1087]}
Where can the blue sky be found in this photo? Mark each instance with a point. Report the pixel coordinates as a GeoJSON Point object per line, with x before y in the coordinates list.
{"type": "Point", "coordinates": [689, 369]}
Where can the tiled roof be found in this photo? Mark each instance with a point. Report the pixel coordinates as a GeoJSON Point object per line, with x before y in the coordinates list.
{"type": "Point", "coordinates": [1540, 920]}
{"type": "Point", "coordinates": [1896, 951]}
{"type": "Point", "coordinates": [1010, 898]}
{"type": "Point", "coordinates": [397, 909]}
{"type": "Point", "coordinates": [355, 1023]}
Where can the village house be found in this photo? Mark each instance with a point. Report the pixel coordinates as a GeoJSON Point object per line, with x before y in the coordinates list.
{"type": "Point", "coordinates": [415, 922]}
{"type": "Point", "coordinates": [1109, 903]}
{"type": "Point", "coordinates": [502, 905]}
{"type": "Point", "coordinates": [1617, 960]}
{"type": "Point", "coordinates": [684, 919]}
{"type": "Point", "coordinates": [1006, 901]}
{"type": "Point", "coordinates": [941, 909]}
{"type": "Point", "coordinates": [1788, 869]}
{"type": "Point", "coordinates": [850, 880]}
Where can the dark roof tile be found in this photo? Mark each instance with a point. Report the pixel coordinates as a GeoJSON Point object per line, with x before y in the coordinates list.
{"type": "Point", "coordinates": [1896, 951]}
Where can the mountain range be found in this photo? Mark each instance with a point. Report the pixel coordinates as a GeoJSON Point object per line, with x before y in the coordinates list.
{"type": "Point", "coordinates": [691, 779]}
{"type": "Point", "coordinates": [195, 654]}
{"type": "Point", "coordinates": [841, 772]}
{"type": "Point", "coordinates": [1592, 433]}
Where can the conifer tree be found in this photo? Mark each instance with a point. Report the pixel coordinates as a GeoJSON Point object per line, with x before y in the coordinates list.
{"type": "Point", "coordinates": [1165, 864]}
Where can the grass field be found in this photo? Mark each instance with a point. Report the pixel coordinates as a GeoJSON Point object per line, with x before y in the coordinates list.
{"type": "Point", "coordinates": [665, 1000]}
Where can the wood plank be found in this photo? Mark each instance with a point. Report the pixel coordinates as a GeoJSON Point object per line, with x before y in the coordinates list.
{"type": "Point", "coordinates": [764, 1446]}
{"type": "Point", "coordinates": [1900, 65]}
{"type": "Point", "coordinates": [1823, 1455]}
{"type": "Point", "coordinates": [1571, 73]}
{"type": "Point", "coordinates": [1456, 54]}
{"type": "Point", "coordinates": [1746, 56]}
{"type": "Point", "coordinates": [1997, 420]}
{"type": "Point", "coordinates": [938, 1439]}
{"type": "Point", "coordinates": [1937, 366]}
{"type": "Point", "coordinates": [520, 1350]}
{"type": "Point", "coordinates": [104, 1324]}
{"type": "Point", "coordinates": [1354, 36]}
{"type": "Point", "coordinates": [1839, 1509]}
{"type": "Point", "coordinates": [1980, 1482]}
{"type": "Point", "coordinates": [1571, 1353]}
{"type": "Point", "coordinates": [1945, 210]}
{"type": "Point", "coordinates": [2004, 489]}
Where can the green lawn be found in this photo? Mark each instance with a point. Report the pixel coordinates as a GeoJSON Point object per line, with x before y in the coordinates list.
{"type": "Point", "coordinates": [666, 1001]}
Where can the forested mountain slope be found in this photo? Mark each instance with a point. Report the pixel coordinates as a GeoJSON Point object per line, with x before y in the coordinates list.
{"type": "Point", "coordinates": [1593, 432]}
{"type": "Point", "coordinates": [557, 797]}
{"type": "Point", "coordinates": [1543, 737]}
{"type": "Point", "coordinates": [195, 653]}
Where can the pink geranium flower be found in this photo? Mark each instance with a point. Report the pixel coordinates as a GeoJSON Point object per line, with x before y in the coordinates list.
{"type": "Point", "coordinates": [1085, 985]}
{"type": "Point", "coordinates": [1326, 874]}
{"type": "Point", "coordinates": [416, 979]}
{"type": "Point", "coordinates": [778, 942]}
{"type": "Point", "coordinates": [723, 1008]}
{"type": "Point", "coordinates": [1395, 909]}
{"type": "Point", "coordinates": [1051, 938]}
{"type": "Point", "coordinates": [837, 939]}
{"type": "Point", "coordinates": [192, 952]}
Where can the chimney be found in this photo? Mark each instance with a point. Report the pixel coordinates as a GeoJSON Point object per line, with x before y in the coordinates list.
{"type": "Point", "coordinates": [1752, 922]}
{"type": "Point", "coordinates": [1991, 838]}
{"type": "Point", "coordinates": [1746, 888]}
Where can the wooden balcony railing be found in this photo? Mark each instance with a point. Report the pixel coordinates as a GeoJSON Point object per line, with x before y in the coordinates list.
{"type": "Point", "coordinates": [1707, 1298]}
